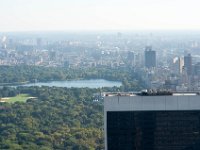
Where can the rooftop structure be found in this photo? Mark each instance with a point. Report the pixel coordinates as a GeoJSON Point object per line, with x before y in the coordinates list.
{"type": "Point", "coordinates": [151, 93]}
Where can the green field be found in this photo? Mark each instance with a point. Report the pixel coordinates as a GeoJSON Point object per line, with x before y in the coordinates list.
{"type": "Point", "coordinates": [18, 98]}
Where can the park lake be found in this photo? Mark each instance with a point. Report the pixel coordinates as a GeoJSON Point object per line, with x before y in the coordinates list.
{"type": "Point", "coordinates": [93, 83]}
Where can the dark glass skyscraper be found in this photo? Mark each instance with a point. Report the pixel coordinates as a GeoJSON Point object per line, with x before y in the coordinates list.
{"type": "Point", "coordinates": [169, 122]}
{"type": "Point", "coordinates": [150, 57]}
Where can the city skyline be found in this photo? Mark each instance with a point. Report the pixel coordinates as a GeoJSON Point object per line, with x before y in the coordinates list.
{"type": "Point", "coordinates": [48, 15]}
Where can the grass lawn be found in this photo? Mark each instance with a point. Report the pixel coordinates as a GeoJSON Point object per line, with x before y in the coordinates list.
{"type": "Point", "coordinates": [18, 98]}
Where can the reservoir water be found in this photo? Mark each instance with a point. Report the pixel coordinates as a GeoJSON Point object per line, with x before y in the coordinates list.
{"type": "Point", "coordinates": [94, 83]}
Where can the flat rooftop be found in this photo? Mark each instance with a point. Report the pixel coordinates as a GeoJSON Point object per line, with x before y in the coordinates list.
{"type": "Point", "coordinates": [133, 101]}
{"type": "Point", "coordinates": [151, 94]}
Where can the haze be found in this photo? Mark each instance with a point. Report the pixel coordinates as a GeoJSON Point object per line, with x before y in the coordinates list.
{"type": "Point", "coordinates": [36, 15]}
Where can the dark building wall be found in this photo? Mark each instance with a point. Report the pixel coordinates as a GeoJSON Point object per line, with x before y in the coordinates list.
{"type": "Point", "coordinates": [188, 64]}
{"type": "Point", "coordinates": [150, 58]}
{"type": "Point", "coordinates": [197, 69]}
{"type": "Point", "coordinates": [153, 130]}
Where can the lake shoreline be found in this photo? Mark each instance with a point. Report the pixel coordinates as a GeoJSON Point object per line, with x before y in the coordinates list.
{"type": "Point", "coordinates": [80, 83]}
{"type": "Point", "coordinates": [91, 83]}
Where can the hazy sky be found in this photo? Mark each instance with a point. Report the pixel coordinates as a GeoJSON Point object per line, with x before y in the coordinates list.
{"type": "Point", "coordinates": [29, 15]}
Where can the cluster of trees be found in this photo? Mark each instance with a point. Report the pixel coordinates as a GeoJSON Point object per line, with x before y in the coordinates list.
{"type": "Point", "coordinates": [60, 118]}
{"type": "Point", "coordinates": [16, 74]}
{"type": "Point", "coordinates": [8, 92]}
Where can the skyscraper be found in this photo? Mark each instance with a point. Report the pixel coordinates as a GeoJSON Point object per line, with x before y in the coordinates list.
{"type": "Point", "coordinates": [131, 58]}
{"type": "Point", "coordinates": [177, 66]}
{"type": "Point", "coordinates": [161, 121]}
{"type": "Point", "coordinates": [188, 64]}
{"type": "Point", "coordinates": [197, 69]}
{"type": "Point", "coordinates": [150, 57]}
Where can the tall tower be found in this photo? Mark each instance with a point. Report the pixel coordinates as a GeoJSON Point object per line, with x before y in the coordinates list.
{"type": "Point", "coordinates": [150, 57]}
{"type": "Point", "coordinates": [178, 64]}
{"type": "Point", "coordinates": [131, 58]}
{"type": "Point", "coordinates": [188, 64]}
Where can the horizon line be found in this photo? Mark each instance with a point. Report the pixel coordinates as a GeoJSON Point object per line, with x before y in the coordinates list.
{"type": "Point", "coordinates": [99, 30]}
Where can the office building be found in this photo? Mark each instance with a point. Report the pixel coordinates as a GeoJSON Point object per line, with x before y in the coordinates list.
{"type": "Point", "coordinates": [188, 64]}
{"type": "Point", "coordinates": [197, 69]}
{"type": "Point", "coordinates": [131, 58]}
{"type": "Point", "coordinates": [177, 65]}
{"type": "Point", "coordinates": [155, 121]}
{"type": "Point", "coordinates": [150, 57]}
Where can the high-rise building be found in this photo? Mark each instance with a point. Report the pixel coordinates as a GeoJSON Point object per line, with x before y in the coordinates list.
{"type": "Point", "coordinates": [150, 57]}
{"type": "Point", "coordinates": [131, 58]}
{"type": "Point", "coordinates": [177, 66]}
{"type": "Point", "coordinates": [197, 69]}
{"type": "Point", "coordinates": [138, 60]}
{"type": "Point", "coordinates": [188, 64]}
{"type": "Point", "coordinates": [155, 121]}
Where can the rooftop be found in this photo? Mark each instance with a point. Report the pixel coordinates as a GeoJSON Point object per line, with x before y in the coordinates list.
{"type": "Point", "coordinates": [134, 101]}
{"type": "Point", "coordinates": [152, 93]}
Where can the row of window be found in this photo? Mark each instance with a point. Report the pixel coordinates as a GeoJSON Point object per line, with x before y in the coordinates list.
{"type": "Point", "coordinates": [159, 130]}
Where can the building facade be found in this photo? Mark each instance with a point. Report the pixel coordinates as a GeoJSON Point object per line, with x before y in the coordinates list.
{"type": "Point", "coordinates": [168, 122]}
{"type": "Point", "coordinates": [188, 64]}
{"type": "Point", "coordinates": [150, 57]}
